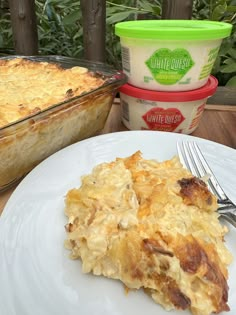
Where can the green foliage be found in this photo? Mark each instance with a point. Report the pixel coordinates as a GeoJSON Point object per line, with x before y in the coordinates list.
{"type": "Point", "coordinates": [118, 11]}
{"type": "Point", "coordinates": [5, 27]}
{"type": "Point", "coordinates": [224, 11]}
{"type": "Point", "coordinates": [60, 28]}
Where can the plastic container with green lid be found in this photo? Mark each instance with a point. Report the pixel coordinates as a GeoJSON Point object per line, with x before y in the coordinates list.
{"type": "Point", "coordinates": [170, 55]}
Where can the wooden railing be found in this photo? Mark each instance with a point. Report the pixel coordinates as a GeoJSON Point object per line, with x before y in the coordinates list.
{"type": "Point", "coordinates": [24, 27]}
{"type": "Point", "coordinates": [24, 24]}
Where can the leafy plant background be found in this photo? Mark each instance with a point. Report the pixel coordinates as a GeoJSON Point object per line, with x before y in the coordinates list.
{"type": "Point", "coordinates": [60, 28]}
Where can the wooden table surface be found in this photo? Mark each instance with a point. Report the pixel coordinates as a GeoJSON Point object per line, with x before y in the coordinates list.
{"type": "Point", "coordinates": [217, 124]}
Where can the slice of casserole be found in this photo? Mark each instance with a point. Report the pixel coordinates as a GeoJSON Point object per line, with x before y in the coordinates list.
{"type": "Point", "coordinates": [153, 226]}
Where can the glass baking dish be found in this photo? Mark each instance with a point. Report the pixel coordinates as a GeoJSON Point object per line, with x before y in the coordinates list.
{"type": "Point", "coordinates": [27, 142]}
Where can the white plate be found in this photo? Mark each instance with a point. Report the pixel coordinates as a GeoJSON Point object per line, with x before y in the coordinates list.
{"type": "Point", "coordinates": [36, 275]}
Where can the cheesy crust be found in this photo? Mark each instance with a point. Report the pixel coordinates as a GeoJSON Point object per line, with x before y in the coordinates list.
{"type": "Point", "coordinates": [28, 87]}
{"type": "Point", "coordinates": [152, 225]}
{"type": "Point", "coordinates": [43, 108]}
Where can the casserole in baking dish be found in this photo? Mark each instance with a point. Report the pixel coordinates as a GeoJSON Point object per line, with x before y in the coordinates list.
{"type": "Point", "coordinates": [47, 103]}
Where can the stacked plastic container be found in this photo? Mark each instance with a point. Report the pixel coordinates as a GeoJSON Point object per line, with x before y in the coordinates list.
{"type": "Point", "coordinates": [168, 64]}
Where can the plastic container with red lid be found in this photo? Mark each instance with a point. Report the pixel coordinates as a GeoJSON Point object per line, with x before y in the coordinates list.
{"type": "Point", "coordinates": [167, 111]}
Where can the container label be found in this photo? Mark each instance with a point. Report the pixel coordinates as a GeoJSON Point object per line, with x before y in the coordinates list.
{"type": "Point", "coordinates": [196, 119]}
{"type": "Point", "coordinates": [125, 110]}
{"type": "Point", "coordinates": [163, 119]}
{"type": "Point", "coordinates": [169, 66]}
{"type": "Point", "coordinates": [125, 58]}
{"type": "Point", "coordinates": [206, 69]}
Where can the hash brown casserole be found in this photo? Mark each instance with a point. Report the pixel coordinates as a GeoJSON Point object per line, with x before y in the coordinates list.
{"type": "Point", "coordinates": [27, 87]}
{"type": "Point", "coordinates": [154, 226]}
{"type": "Point", "coordinates": [46, 107]}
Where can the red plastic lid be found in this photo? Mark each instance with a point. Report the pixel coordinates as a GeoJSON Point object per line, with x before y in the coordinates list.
{"type": "Point", "coordinates": [184, 96]}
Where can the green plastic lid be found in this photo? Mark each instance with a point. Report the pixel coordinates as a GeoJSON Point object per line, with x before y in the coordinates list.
{"type": "Point", "coordinates": [173, 29]}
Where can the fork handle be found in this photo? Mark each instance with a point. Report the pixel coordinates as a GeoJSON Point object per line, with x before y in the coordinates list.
{"type": "Point", "coordinates": [225, 202]}
{"type": "Point", "coordinates": [230, 217]}
{"type": "Point", "coordinates": [227, 209]}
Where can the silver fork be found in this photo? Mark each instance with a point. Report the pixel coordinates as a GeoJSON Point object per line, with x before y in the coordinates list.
{"type": "Point", "coordinates": [192, 158]}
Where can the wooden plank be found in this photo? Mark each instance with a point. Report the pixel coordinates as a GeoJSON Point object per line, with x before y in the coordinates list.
{"type": "Point", "coordinates": [177, 9]}
{"type": "Point", "coordinates": [218, 126]}
{"type": "Point", "coordinates": [94, 29]}
{"type": "Point", "coordinates": [24, 26]}
{"type": "Point", "coordinates": [228, 108]}
{"type": "Point", "coordinates": [224, 95]}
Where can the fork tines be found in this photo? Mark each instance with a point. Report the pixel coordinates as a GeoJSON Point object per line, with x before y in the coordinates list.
{"type": "Point", "coordinates": [192, 158]}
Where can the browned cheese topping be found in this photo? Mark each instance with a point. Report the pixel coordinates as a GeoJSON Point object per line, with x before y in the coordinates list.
{"type": "Point", "coordinates": [27, 87]}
